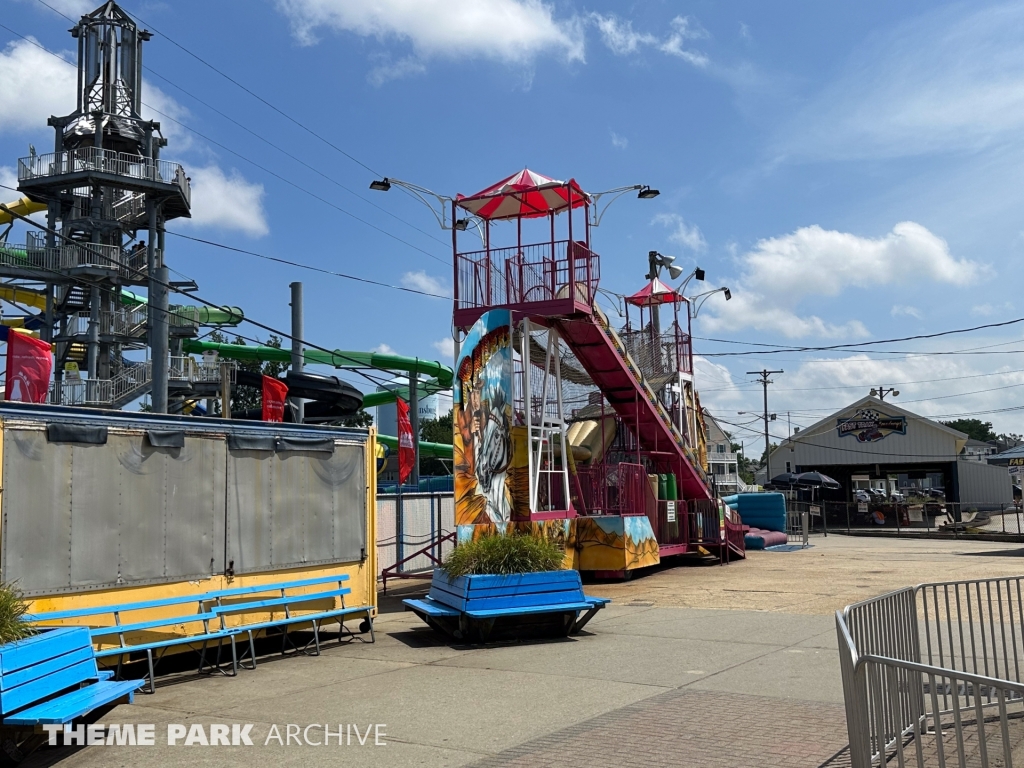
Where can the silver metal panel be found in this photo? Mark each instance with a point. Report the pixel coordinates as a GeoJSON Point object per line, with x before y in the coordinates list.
{"type": "Point", "coordinates": [249, 509]}
{"type": "Point", "coordinates": [982, 483]}
{"type": "Point", "coordinates": [142, 529]}
{"type": "Point", "coordinates": [37, 511]}
{"type": "Point", "coordinates": [345, 472]}
{"type": "Point", "coordinates": [289, 495]}
{"type": "Point", "coordinates": [95, 512]}
{"type": "Point", "coordinates": [194, 507]}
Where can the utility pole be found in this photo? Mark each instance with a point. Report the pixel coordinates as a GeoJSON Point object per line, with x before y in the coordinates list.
{"type": "Point", "coordinates": [881, 392]}
{"type": "Point", "coordinates": [297, 338]}
{"type": "Point", "coordinates": [765, 381]}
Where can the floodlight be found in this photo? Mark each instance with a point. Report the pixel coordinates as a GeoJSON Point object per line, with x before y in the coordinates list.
{"type": "Point", "coordinates": [666, 260]}
{"type": "Point", "coordinates": [380, 185]}
{"type": "Point", "coordinates": [699, 274]}
{"type": "Point", "coordinates": [874, 393]}
{"type": "Point", "coordinates": [728, 294]}
{"type": "Point", "coordinates": [646, 193]}
{"type": "Point", "coordinates": [461, 224]}
{"type": "Point", "coordinates": [895, 393]}
{"type": "Point", "coordinates": [674, 271]}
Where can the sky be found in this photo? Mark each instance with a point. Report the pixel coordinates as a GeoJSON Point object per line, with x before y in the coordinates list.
{"type": "Point", "coordinates": [850, 171]}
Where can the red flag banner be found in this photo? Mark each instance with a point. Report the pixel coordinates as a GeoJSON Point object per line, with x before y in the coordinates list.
{"type": "Point", "coordinates": [274, 393]}
{"type": "Point", "coordinates": [29, 366]}
{"type": "Point", "coordinates": [406, 449]}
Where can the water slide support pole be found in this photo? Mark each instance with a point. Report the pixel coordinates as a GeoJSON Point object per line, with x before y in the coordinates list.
{"type": "Point", "coordinates": [297, 336]}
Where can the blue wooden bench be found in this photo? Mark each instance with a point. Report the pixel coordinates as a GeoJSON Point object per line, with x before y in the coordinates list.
{"type": "Point", "coordinates": [474, 603]}
{"type": "Point", "coordinates": [269, 598]}
{"type": "Point", "coordinates": [52, 678]}
{"type": "Point", "coordinates": [201, 619]}
{"type": "Point", "coordinates": [188, 610]}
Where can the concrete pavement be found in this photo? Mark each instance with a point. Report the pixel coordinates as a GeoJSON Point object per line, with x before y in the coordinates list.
{"type": "Point", "coordinates": [712, 666]}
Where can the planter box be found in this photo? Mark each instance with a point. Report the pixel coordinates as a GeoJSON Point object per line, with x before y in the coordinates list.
{"type": "Point", "coordinates": [470, 606]}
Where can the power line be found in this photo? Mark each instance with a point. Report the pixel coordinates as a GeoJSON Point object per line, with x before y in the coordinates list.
{"type": "Point", "coordinates": [265, 140]}
{"type": "Point", "coordinates": [862, 386]}
{"type": "Point", "coordinates": [237, 154]}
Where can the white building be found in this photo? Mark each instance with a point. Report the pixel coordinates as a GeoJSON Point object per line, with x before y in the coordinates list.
{"type": "Point", "coordinates": [722, 460]}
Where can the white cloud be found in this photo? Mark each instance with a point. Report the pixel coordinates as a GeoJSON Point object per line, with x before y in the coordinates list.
{"type": "Point", "coordinates": [745, 31]}
{"type": "Point", "coordinates": [948, 81]}
{"type": "Point", "coordinates": [683, 29]}
{"type": "Point", "coordinates": [621, 39]}
{"type": "Point", "coordinates": [686, 235]}
{"type": "Point", "coordinates": [619, 142]}
{"type": "Point", "coordinates": [619, 35]}
{"type": "Point", "coordinates": [384, 349]}
{"type": "Point", "coordinates": [987, 310]}
{"type": "Point", "coordinates": [781, 272]}
{"type": "Point", "coordinates": [35, 86]}
{"type": "Point", "coordinates": [421, 281]}
{"type": "Point", "coordinates": [73, 8]}
{"type": "Point", "coordinates": [899, 310]}
{"type": "Point", "coordinates": [227, 201]}
{"type": "Point", "coordinates": [446, 348]}
{"type": "Point", "coordinates": [507, 31]}
{"type": "Point", "coordinates": [9, 178]}
{"type": "Point", "coordinates": [395, 70]}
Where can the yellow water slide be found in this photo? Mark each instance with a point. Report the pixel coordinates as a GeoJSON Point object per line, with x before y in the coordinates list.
{"type": "Point", "coordinates": [22, 206]}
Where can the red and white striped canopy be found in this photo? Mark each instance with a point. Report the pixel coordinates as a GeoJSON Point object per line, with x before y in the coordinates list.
{"type": "Point", "coordinates": [524, 195]}
{"type": "Point", "coordinates": [655, 292]}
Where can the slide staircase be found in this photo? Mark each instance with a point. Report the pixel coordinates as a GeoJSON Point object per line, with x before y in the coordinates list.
{"type": "Point", "coordinates": [604, 357]}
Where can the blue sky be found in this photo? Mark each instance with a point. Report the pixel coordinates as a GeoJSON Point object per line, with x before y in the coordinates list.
{"type": "Point", "coordinates": [850, 171]}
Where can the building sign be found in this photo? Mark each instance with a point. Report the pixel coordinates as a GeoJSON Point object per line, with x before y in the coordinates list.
{"type": "Point", "coordinates": [870, 425]}
{"type": "Point", "coordinates": [1017, 461]}
{"type": "Point", "coordinates": [670, 511]}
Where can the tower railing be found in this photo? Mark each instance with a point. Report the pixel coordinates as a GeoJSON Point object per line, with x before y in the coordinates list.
{"type": "Point", "coordinates": [526, 274]}
{"type": "Point", "coordinates": [105, 161]}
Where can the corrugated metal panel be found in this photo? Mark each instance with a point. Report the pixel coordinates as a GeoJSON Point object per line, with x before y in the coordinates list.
{"type": "Point", "coordinates": [37, 511]}
{"type": "Point", "coordinates": [249, 509]}
{"type": "Point", "coordinates": [982, 483]}
{"type": "Point", "coordinates": [143, 522]}
{"type": "Point", "coordinates": [95, 512]}
{"type": "Point", "coordinates": [194, 507]}
{"type": "Point", "coordinates": [345, 472]}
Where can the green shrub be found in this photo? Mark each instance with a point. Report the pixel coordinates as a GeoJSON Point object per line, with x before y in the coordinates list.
{"type": "Point", "coordinates": [12, 611]}
{"type": "Point", "coordinates": [497, 554]}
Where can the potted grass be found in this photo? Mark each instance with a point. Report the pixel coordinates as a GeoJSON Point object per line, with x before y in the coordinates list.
{"type": "Point", "coordinates": [515, 579]}
{"type": "Point", "coordinates": [13, 608]}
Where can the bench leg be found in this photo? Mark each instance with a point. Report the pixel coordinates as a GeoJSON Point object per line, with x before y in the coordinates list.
{"type": "Point", "coordinates": [252, 652]}
{"type": "Point", "coordinates": [152, 671]}
{"type": "Point", "coordinates": [369, 622]}
{"type": "Point", "coordinates": [581, 623]}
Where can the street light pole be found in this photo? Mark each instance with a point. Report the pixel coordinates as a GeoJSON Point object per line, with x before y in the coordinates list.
{"type": "Point", "coordinates": [881, 392]}
{"type": "Point", "coordinates": [765, 381]}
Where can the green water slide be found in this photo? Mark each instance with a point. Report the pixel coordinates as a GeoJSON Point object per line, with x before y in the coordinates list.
{"type": "Point", "coordinates": [441, 374]}
{"type": "Point", "coordinates": [202, 315]}
{"type": "Point", "coordinates": [435, 450]}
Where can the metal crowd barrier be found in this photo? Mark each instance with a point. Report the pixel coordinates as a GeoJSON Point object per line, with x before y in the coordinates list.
{"type": "Point", "coordinates": [414, 532]}
{"type": "Point", "coordinates": [932, 675]}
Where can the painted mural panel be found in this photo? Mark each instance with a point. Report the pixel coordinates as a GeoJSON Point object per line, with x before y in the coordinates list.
{"type": "Point", "coordinates": [616, 543]}
{"type": "Point", "coordinates": [482, 410]}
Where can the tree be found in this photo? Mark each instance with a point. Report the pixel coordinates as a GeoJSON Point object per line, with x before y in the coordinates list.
{"type": "Point", "coordinates": [249, 398]}
{"type": "Point", "coordinates": [976, 429]}
{"type": "Point", "coordinates": [437, 430]}
{"type": "Point", "coordinates": [359, 419]}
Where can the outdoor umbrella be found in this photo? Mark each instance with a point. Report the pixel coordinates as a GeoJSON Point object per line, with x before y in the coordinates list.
{"type": "Point", "coordinates": [785, 480]}
{"type": "Point", "coordinates": [816, 480]}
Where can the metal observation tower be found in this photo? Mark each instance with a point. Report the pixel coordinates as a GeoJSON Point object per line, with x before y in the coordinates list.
{"type": "Point", "coordinates": [107, 194]}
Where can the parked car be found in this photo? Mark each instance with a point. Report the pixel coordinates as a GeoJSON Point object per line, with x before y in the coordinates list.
{"type": "Point", "coordinates": [878, 493]}
{"type": "Point", "coordinates": [862, 496]}
{"type": "Point", "coordinates": [937, 493]}
{"type": "Point", "coordinates": [897, 498]}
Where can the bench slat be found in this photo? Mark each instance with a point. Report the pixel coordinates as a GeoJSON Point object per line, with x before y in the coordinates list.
{"type": "Point", "coordinates": [179, 640]}
{"type": "Point", "coordinates": [46, 667]}
{"type": "Point", "coordinates": [114, 629]}
{"type": "Point", "coordinates": [40, 688]}
{"type": "Point", "coordinates": [286, 585]}
{"type": "Point", "coordinates": [66, 708]}
{"type": "Point", "coordinates": [42, 646]}
{"type": "Point", "coordinates": [431, 607]}
{"type": "Point", "coordinates": [272, 602]}
{"type": "Point", "coordinates": [299, 619]}
{"type": "Point", "coordinates": [564, 608]}
{"type": "Point", "coordinates": [473, 583]}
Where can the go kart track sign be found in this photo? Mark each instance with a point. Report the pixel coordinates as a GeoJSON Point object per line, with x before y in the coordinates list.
{"type": "Point", "coordinates": [870, 425]}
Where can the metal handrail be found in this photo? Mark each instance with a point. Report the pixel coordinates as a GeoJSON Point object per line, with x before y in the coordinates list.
{"type": "Point", "coordinates": [927, 675]}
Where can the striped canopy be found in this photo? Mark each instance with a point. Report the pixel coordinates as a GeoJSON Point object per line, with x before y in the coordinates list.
{"type": "Point", "coordinates": [654, 293]}
{"type": "Point", "coordinates": [524, 195]}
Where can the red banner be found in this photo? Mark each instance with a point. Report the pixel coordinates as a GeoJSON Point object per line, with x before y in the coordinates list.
{"type": "Point", "coordinates": [274, 393]}
{"type": "Point", "coordinates": [29, 366]}
{"type": "Point", "coordinates": [406, 449]}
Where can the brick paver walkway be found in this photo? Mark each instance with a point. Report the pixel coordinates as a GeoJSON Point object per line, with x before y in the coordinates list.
{"type": "Point", "coordinates": [690, 728]}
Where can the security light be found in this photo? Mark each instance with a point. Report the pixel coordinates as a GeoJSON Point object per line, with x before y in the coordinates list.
{"type": "Point", "coordinates": [874, 393]}
{"type": "Point", "coordinates": [728, 294]}
{"type": "Point", "coordinates": [674, 271]}
{"type": "Point", "coordinates": [698, 273]}
{"type": "Point", "coordinates": [646, 193]}
{"type": "Point", "coordinates": [461, 224]}
{"type": "Point", "coordinates": [380, 185]}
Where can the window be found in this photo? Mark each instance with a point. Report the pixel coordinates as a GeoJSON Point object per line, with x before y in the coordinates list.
{"type": "Point", "coordinates": [721, 448]}
{"type": "Point", "coordinates": [789, 467]}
